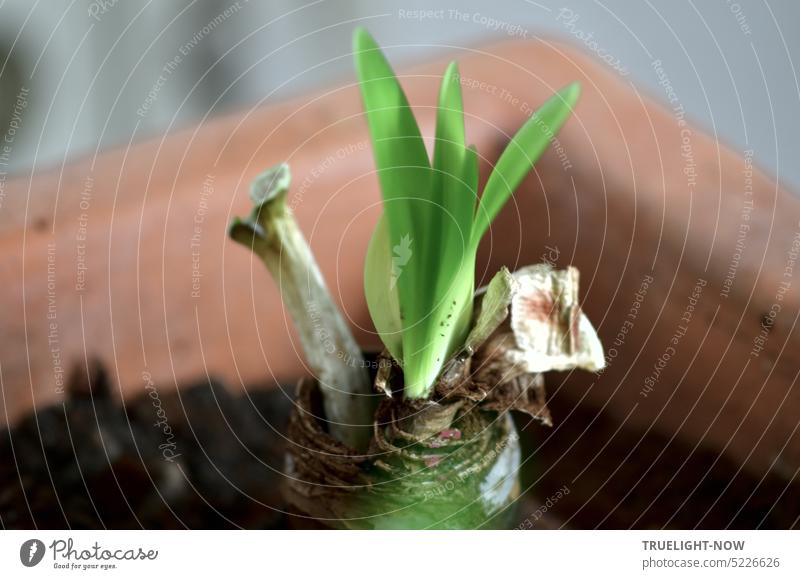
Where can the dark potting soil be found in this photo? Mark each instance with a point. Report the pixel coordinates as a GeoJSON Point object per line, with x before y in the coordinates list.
{"type": "Point", "coordinates": [201, 458]}
{"type": "Point", "coordinates": [204, 458]}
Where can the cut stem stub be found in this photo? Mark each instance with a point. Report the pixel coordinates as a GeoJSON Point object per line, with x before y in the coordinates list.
{"type": "Point", "coordinates": [272, 233]}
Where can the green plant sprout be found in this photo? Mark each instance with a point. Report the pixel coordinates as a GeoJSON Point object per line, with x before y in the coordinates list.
{"type": "Point", "coordinates": [419, 274]}
{"type": "Point", "coordinates": [420, 267]}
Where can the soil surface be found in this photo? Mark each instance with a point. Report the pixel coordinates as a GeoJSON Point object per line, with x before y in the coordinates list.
{"type": "Point", "coordinates": [203, 458]}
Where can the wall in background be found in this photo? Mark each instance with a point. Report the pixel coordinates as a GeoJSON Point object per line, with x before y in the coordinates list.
{"type": "Point", "coordinates": [88, 74]}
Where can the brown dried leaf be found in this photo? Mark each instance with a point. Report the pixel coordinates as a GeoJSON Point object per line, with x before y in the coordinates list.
{"type": "Point", "coordinates": [385, 373]}
{"type": "Point", "coordinates": [524, 393]}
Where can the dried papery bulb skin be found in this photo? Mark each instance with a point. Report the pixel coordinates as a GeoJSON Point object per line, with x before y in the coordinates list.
{"type": "Point", "coordinates": [550, 330]}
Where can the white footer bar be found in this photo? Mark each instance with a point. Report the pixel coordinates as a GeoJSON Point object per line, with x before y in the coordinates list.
{"type": "Point", "coordinates": [381, 555]}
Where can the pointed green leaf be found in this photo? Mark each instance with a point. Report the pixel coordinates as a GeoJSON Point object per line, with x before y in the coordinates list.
{"type": "Point", "coordinates": [380, 289]}
{"type": "Point", "coordinates": [400, 155]}
{"type": "Point", "coordinates": [449, 192]}
{"type": "Point", "coordinates": [403, 170]}
{"type": "Point", "coordinates": [449, 260]}
{"type": "Point", "coordinates": [521, 153]}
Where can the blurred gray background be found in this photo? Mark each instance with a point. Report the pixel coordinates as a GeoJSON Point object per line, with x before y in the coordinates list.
{"type": "Point", "coordinates": [81, 75]}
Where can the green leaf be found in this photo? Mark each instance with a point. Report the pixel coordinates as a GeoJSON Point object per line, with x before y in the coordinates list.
{"type": "Point", "coordinates": [454, 191]}
{"type": "Point", "coordinates": [400, 155]}
{"type": "Point", "coordinates": [449, 261]}
{"type": "Point", "coordinates": [450, 192]}
{"type": "Point", "coordinates": [521, 153]}
{"type": "Point", "coordinates": [380, 289]}
{"type": "Point", "coordinates": [471, 173]}
{"type": "Point", "coordinates": [405, 177]}
{"type": "Point", "coordinates": [420, 265]}
{"type": "Point", "coordinates": [404, 174]}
